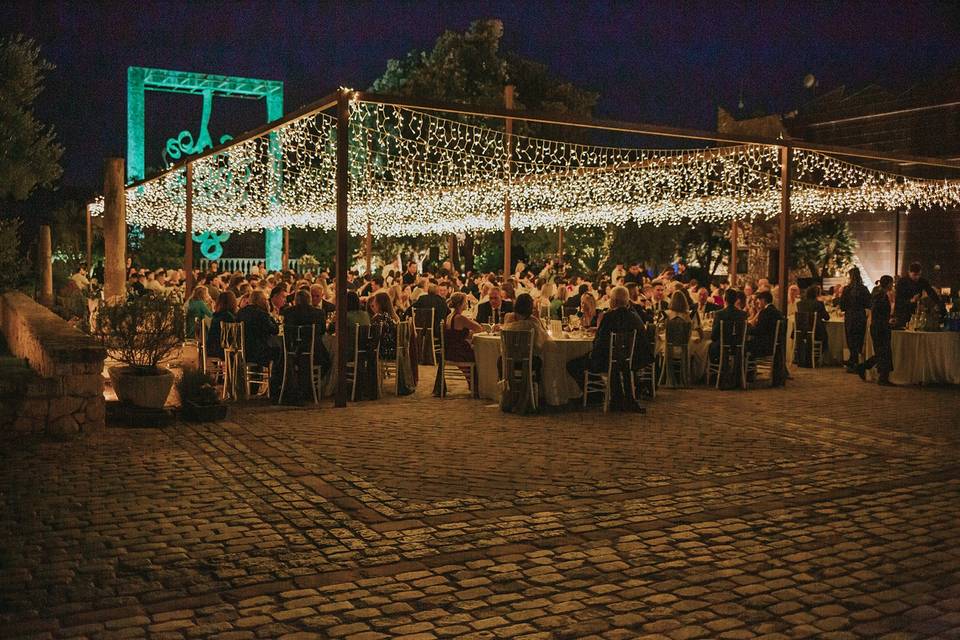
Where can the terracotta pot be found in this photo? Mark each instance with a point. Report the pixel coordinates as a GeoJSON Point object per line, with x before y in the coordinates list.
{"type": "Point", "coordinates": [148, 391]}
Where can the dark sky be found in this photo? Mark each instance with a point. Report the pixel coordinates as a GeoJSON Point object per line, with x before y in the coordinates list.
{"type": "Point", "coordinates": [662, 61]}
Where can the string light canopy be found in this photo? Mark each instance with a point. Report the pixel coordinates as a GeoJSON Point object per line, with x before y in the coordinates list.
{"type": "Point", "coordinates": [416, 172]}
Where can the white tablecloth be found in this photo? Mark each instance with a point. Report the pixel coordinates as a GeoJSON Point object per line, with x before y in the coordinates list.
{"type": "Point", "coordinates": [926, 357]}
{"type": "Point", "coordinates": [557, 386]}
{"type": "Point", "coordinates": [699, 352]}
{"type": "Point", "coordinates": [836, 352]}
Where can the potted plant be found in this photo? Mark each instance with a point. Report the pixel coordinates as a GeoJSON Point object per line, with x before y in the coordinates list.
{"type": "Point", "coordinates": [198, 397]}
{"type": "Point", "coordinates": [141, 332]}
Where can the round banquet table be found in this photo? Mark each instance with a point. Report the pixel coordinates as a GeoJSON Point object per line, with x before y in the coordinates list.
{"type": "Point", "coordinates": [925, 357]}
{"type": "Point", "coordinates": [557, 387]}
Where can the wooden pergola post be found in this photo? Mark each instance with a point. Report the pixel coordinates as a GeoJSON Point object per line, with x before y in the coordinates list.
{"type": "Point", "coordinates": [286, 249]}
{"type": "Point", "coordinates": [343, 184]}
{"type": "Point", "coordinates": [114, 230]}
{"type": "Point", "coordinates": [188, 236]}
{"type": "Point", "coordinates": [507, 233]}
{"type": "Point", "coordinates": [368, 249]}
{"type": "Point", "coordinates": [560, 245]}
{"type": "Point", "coordinates": [89, 240]}
{"type": "Point", "coordinates": [45, 258]}
{"type": "Point", "coordinates": [734, 247]}
{"type": "Point", "coordinates": [452, 250]}
{"type": "Point", "coordinates": [786, 175]}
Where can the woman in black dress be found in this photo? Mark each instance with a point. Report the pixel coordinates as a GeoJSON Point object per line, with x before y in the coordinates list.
{"type": "Point", "coordinates": [854, 302]}
{"type": "Point", "coordinates": [880, 332]}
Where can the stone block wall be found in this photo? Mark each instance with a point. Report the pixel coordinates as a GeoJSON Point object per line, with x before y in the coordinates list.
{"type": "Point", "coordinates": [65, 396]}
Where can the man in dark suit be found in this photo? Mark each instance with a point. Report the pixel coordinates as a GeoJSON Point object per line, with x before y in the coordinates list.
{"type": "Point", "coordinates": [908, 293]}
{"type": "Point", "coordinates": [433, 300]}
{"type": "Point", "coordinates": [573, 302]}
{"type": "Point", "coordinates": [317, 293]}
{"type": "Point", "coordinates": [410, 275]}
{"type": "Point", "coordinates": [493, 310]}
{"type": "Point", "coordinates": [728, 314]}
{"type": "Point", "coordinates": [763, 332]}
{"type": "Point", "coordinates": [620, 318]}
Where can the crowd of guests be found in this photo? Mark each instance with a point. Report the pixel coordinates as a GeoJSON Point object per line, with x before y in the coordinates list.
{"type": "Point", "coordinates": [628, 298]}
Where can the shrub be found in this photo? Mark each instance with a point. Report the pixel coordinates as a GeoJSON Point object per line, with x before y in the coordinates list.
{"type": "Point", "coordinates": [197, 387]}
{"type": "Point", "coordinates": [142, 330]}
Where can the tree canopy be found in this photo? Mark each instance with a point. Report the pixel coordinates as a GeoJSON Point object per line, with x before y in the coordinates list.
{"type": "Point", "coordinates": [29, 153]}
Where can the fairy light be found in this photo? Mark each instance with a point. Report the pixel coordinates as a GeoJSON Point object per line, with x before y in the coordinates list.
{"type": "Point", "coordinates": [418, 173]}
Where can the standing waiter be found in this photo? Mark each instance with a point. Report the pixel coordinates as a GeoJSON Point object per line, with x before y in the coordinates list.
{"type": "Point", "coordinates": [854, 303]}
{"type": "Point", "coordinates": [881, 321]}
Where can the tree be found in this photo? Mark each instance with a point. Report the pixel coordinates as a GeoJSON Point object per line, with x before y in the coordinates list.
{"type": "Point", "coordinates": [470, 68]}
{"type": "Point", "coordinates": [11, 262]}
{"type": "Point", "coordinates": [825, 246]}
{"type": "Point", "coordinates": [30, 155]}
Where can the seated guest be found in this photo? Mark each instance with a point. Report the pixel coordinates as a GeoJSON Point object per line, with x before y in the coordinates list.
{"type": "Point", "coordinates": [278, 299]}
{"type": "Point", "coordinates": [318, 294]}
{"type": "Point", "coordinates": [494, 310]}
{"type": "Point", "coordinates": [763, 332]}
{"type": "Point", "coordinates": [659, 301]}
{"type": "Point", "coordinates": [225, 310]}
{"type": "Point", "coordinates": [705, 303]}
{"type": "Point", "coordinates": [617, 320]}
{"type": "Point", "coordinates": [356, 315]}
{"type": "Point", "coordinates": [523, 320]}
{"type": "Point", "coordinates": [385, 319]}
{"type": "Point", "coordinates": [302, 314]}
{"type": "Point", "coordinates": [198, 309]}
{"type": "Point", "coordinates": [589, 318]}
{"type": "Point", "coordinates": [559, 299]}
{"type": "Point", "coordinates": [679, 307]}
{"type": "Point", "coordinates": [457, 329]}
{"type": "Point", "coordinates": [729, 313]}
{"type": "Point", "coordinates": [574, 300]}
{"type": "Point", "coordinates": [433, 300]}
{"type": "Point", "coordinates": [260, 331]}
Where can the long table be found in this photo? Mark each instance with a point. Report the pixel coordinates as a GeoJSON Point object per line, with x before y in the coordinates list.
{"type": "Point", "coordinates": [919, 357]}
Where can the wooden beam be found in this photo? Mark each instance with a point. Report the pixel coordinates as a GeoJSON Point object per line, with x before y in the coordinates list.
{"type": "Point", "coordinates": [286, 249]}
{"type": "Point", "coordinates": [188, 236]}
{"type": "Point", "coordinates": [560, 244]}
{"type": "Point", "coordinates": [734, 247]}
{"type": "Point", "coordinates": [114, 230]}
{"type": "Point", "coordinates": [507, 232]}
{"type": "Point", "coordinates": [45, 258]}
{"type": "Point", "coordinates": [343, 184]}
{"type": "Point", "coordinates": [89, 241]}
{"type": "Point", "coordinates": [786, 174]}
{"type": "Point", "coordinates": [368, 249]}
{"type": "Point", "coordinates": [646, 129]}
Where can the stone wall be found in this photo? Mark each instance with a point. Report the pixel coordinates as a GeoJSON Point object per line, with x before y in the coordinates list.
{"type": "Point", "coordinates": [65, 395]}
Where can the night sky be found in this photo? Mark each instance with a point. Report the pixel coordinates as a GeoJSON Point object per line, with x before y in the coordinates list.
{"type": "Point", "coordinates": [663, 62]}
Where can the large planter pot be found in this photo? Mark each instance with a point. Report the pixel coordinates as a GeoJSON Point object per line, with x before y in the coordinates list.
{"type": "Point", "coordinates": [148, 391]}
{"type": "Point", "coordinates": [193, 412]}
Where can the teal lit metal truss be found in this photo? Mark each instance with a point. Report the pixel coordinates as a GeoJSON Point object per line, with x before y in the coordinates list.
{"type": "Point", "coordinates": [143, 79]}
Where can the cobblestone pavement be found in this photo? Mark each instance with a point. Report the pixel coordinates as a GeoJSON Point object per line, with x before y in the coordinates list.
{"type": "Point", "coordinates": [830, 509]}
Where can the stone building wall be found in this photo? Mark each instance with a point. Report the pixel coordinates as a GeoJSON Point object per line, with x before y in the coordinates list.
{"type": "Point", "coordinates": [64, 395]}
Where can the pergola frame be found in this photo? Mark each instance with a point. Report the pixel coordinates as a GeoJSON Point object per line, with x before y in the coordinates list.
{"type": "Point", "coordinates": [342, 98]}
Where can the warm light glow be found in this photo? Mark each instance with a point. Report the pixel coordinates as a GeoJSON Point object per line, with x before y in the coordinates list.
{"type": "Point", "coordinates": [418, 173]}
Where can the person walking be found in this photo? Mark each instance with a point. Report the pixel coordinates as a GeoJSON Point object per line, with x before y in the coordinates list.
{"type": "Point", "coordinates": [880, 332]}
